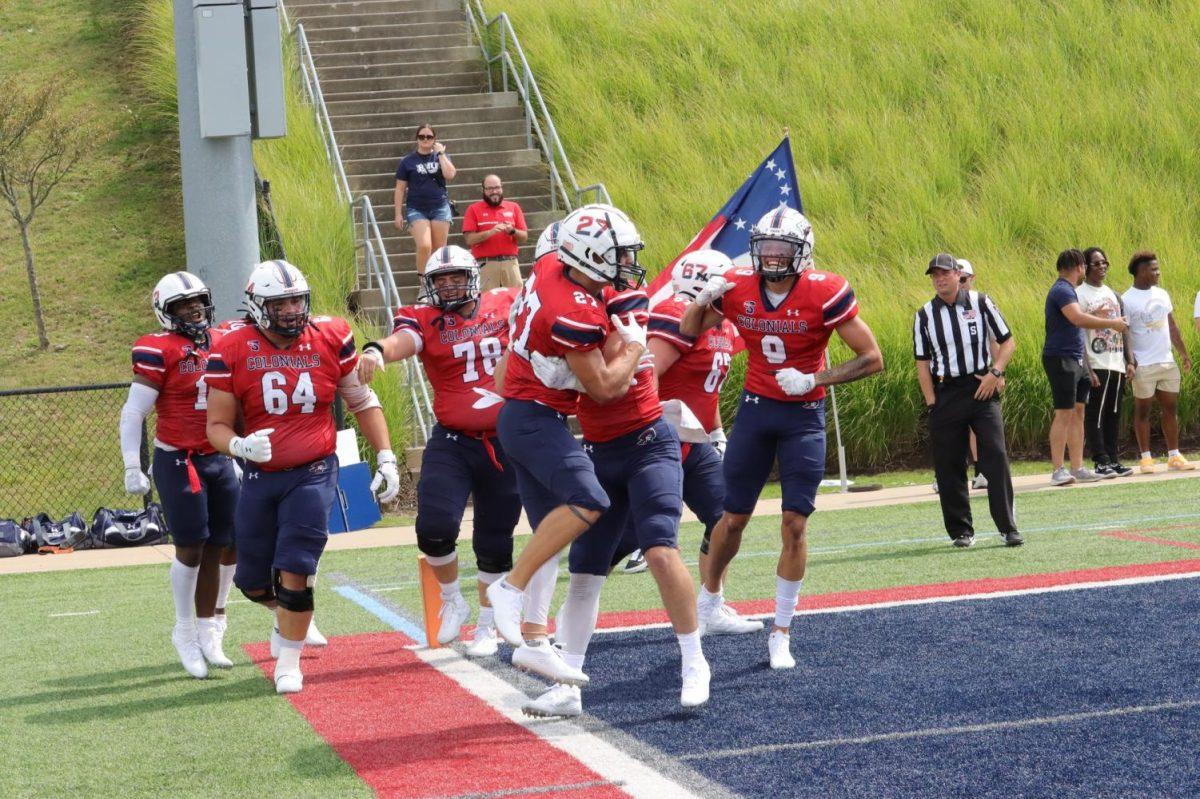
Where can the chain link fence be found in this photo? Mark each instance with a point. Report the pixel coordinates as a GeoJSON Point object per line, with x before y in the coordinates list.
{"type": "Point", "coordinates": [61, 451]}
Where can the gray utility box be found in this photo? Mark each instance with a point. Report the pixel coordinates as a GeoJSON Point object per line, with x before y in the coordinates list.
{"type": "Point", "coordinates": [221, 81]}
{"type": "Point", "coordinates": [268, 117]}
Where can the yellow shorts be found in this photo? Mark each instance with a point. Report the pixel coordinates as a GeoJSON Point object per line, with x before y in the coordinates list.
{"type": "Point", "coordinates": [1155, 377]}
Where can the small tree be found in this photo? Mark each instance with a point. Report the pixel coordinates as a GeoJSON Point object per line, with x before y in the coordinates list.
{"type": "Point", "coordinates": [40, 144]}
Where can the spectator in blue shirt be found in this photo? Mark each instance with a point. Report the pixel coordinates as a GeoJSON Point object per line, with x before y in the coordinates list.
{"type": "Point", "coordinates": [1062, 358]}
{"type": "Point", "coordinates": [422, 204]}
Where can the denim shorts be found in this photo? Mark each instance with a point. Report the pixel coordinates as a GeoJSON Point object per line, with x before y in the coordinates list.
{"type": "Point", "coordinates": [442, 214]}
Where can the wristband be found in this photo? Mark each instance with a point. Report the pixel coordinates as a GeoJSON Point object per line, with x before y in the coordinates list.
{"type": "Point", "coordinates": [374, 345]}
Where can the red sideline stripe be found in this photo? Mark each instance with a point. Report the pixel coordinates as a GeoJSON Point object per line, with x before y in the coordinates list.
{"type": "Point", "coordinates": [908, 593]}
{"type": "Point", "coordinates": [410, 731]}
{"type": "Point", "coordinates": [1149, 539]}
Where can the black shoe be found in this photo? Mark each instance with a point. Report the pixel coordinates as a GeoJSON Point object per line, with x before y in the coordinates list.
{"type": "Point", "coordinates": [964, 541]}
{"type": "Point", "coordinates": [1013, 539]}
{"type": "Point", "coordinates": [636, 563]}
{"type": "Point", "coordinates": [1120, 469]}
{"type": "Point", "coordinates": [1105, 470]}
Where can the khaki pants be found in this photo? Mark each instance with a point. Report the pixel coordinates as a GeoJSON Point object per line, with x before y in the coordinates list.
{"type": "Point", "coordinates": [500, 274]}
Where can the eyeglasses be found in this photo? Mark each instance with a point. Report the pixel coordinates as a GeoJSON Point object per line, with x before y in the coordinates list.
{"type": "Point", "coordinates": [426, 136]}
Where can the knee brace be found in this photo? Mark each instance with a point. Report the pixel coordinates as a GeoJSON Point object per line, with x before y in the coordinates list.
{"type": "Point", "coordinates": [296, 601]}
{"type": "Point", "coordinates": [708, 530]}
{"type": "Point", "coordinates": [265, 597]}
{"type": "Point", "coordinates": [436, 545]}
{"type": "Point", "coordinates": [493, 559]}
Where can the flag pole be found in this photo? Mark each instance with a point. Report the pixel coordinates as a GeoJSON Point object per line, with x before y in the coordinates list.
{"type": "Point", "coordinates": [837, 427]}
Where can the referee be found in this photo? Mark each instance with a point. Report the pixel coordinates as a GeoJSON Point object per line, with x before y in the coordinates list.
{"type": "Point", "coordinates": [962, 344]}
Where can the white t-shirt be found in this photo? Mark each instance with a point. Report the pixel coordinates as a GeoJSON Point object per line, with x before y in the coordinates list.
{"type": "Point", "coordinates": [1196, 310]}
{"type": "Point", "coordinates": [1105, 348]}
{"type": "Point", "coordinates": [1147, 310]}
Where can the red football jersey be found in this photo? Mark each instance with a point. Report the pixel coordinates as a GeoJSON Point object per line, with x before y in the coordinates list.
{"type": "Point", "coordinates": [176, 365]}
{"type": "Point", "coordinates": [557, 316]}
{"type": "Point", "coordinates": [287, 389]}
{"type": "Point", "coordinates": [460, 355]}
{"type": "Point", "coordinates": [640, 405]}
{"type": "Point", "coordinates": [793, 335]}
{"type": "Point", "coordinates": [695, 379]}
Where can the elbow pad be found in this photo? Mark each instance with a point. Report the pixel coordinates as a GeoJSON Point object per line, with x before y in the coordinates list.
{"type": "Point", "coordinates": [357, 396]}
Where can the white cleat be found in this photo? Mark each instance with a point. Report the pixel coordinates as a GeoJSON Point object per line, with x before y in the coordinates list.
{"type": "Point", "coordinates": [506, 607]}
{"type": "Point", "coordinates": [560, 700]}
{"type": "Point", "coordinates": [454, 614]}
{"type": "Point", "coordinates": [314, 637]}
{"type": "Point", "coordinates": [210, 637]}
{"type": "Point", "coordinates": [485, 643]}
{"type": "Point", "coordinates": [779, 649]}
{"type": "Point", "coordinates": [726, 621]}
{"type": "Point", "coordinates": [696, 678]}
{"type": "Point", "coordinates": [222, 622]}
{"type": "Point", "coordinates": [289, 682]}
{"type": "Point", "coordinates": [184, 639]}
{"type": "Point", "coordinates": [541, 658]}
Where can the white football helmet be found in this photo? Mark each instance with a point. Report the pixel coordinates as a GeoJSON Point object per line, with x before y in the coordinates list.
{"type": "Point", "coordinates": [548, 241]}
{"type": "Point", "coordinates": [783, 234]}
{"type": "Point", "coordinates": [600, 241]}
{"type": "Point", "coordinates": [276, 280]}
{"type": "Point", "coordinates": [450, 260]}
{"type": "Point", "coordinates": [693, 270]}
{"type": "Point", "coordinates": [178, 286]}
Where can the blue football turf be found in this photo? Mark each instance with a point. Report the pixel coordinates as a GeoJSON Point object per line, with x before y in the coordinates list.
{"type": "Point", "coordinates": [929, 667]}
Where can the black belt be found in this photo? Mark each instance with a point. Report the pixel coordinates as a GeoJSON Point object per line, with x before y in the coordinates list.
{"type": "Point", "coordinates": [959, 381]}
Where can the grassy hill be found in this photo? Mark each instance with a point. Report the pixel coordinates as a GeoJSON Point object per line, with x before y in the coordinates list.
{"type": "Point", "coordinates": [112, 227]}
{"type": "Point", "coordinates": [1002, 132]}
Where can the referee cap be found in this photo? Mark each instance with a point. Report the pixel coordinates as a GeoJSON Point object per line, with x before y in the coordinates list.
{"type": "Point", "coordinates": [943, 260]}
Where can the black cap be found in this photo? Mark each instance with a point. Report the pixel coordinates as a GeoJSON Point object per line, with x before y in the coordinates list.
{"type": "Point", "coordinates": [943, 260]}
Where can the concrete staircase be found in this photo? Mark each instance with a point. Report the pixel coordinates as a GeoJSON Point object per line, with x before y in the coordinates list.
{"type": "Point", "coordinates": [385, 67]}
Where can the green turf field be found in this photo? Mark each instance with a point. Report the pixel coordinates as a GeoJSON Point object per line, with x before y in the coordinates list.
{"type": "Point", "coordinates": [96, 703]}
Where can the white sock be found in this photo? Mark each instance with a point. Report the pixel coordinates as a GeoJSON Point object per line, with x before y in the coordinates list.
{"type": "Point", "coordinates": [289, 656]}
{"type": "Point", "coordinates": [708, 599]}
{"type": "Point", "coordinates": [1145, 455]}
{"type": "Point", "coordinates": [224, 582]}
{"type": "Point", "coordinates": [441, 560]}
{"type": "Point", "coordinates": [576, 618]}
{"type": "Point", "coordinates": [689, 647]}
{"type": "Point", "coordinates": [450, 589]}
{"type": "Point", "coordinates": [535, 607]}
{"type": "Point", "coordinates": [786, 592]}
{"type": "Point", "coordinates": [1174, 454]}
{"type": "Point", "coordinates": [487, 619]}
{"type": "Point", "coordinates": [183, 589]}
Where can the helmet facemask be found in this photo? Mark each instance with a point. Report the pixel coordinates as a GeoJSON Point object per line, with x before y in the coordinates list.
{"type": "Point", "coordinates": [289, 324]}
{"type": "Point", "coordinates": [779, 257]}
{"type": "Point", "coordinates": [451, 294]}
{"type": "Point", "coordinates": [196, 323]}
{"type": "Point", "coordinates": [628, 273]}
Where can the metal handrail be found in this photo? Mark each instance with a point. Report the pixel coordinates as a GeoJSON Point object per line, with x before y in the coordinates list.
{"type": "Point", "coordinates": [539, 123]}
{"type": "Point", "coordinates": [368, 236]}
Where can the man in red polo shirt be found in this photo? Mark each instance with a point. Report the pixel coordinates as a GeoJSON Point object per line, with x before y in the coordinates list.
{"type": "Point", "coordinates": [494, 228]}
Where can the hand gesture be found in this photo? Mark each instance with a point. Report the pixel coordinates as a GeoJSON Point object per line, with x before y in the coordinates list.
{"type": "Point", "coordinates": [254, 447]}
{"type": "Point", "coordinates": [371, 360]}
{"type": "Point", "coordinates": [794, 382]}
{"type": "Point", "coordinates": [386, 475]}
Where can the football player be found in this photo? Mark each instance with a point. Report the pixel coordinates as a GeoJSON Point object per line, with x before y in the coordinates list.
{"type": "Point", "coordinates": [197, 485]}
{"type": "Point", "coordinates": [460, 336]}
{"type": "Point", "coordinates": [785, 310]}
{"type": "Point", "coordinates": [281, 374]}
{"type": "Point", "coordinates": [636, 454]}
{"type": "Point", "coordinates": [562, 314]}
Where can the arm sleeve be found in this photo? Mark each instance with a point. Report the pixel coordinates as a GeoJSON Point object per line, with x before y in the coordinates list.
{"type": "Point", "coordinates": [357, 396]}
{"type": "Point", "coordinates": [995, 321]}
{"type": "Point", "coordinates": [137, 407]}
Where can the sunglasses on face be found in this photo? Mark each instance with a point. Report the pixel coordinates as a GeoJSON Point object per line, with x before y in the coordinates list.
{"type": "Point", "coordinates": [425, 136]}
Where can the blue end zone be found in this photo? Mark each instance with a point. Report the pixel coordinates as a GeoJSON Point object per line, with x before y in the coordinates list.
{"type": "Point", "coordinates": [1016, 662]}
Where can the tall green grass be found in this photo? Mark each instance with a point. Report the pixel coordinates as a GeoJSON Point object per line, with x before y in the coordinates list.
{"type": "Point", "coordinates": [1002, 132]}
{"type": "Point", "coordinates": [314, 224]}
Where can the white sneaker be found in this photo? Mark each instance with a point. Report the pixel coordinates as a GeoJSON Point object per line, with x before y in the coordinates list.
{"type": "Point", "coordinates": [695, 683]}
{"type": "Point", "coordinates": [979, 482]}
{"type": "Point", "coordinates": [209, 636]}
{"type": "Point", "coordinates": [779, 649]}
{"type": "Point", "coordinates": [707, 606]}
{"type": "Point", "coordinates": [184, 639]}
{"type": "Point", "coordinates": [454, 614]}
{"type": "Point", "coordinates": [314, 637]}
{"type": "Point", "coordinates": [485, 644]}
{"type": "Point", "coordinates": [222, 623]}
{"type": "Point", "coordinates": [289, 682]}
{"type": "Point", "coordinates": [542, 658]}
{"type": "Point", "coordinates": [506, 609]}
{"type": "Point", "coordinates": [726, 621]}
{"type": "Point", "coordinates": [559, 700]}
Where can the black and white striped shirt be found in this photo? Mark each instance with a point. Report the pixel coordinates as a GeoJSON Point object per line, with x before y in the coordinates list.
{"type": "Point", "coordinates": [955, 338]}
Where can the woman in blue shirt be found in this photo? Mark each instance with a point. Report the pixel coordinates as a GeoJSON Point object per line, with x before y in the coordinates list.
{"type": "Point", "coordinates": [422, 204]}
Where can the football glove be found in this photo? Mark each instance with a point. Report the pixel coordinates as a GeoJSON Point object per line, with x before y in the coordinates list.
{"type": "Point", "coordinates": [136, 481]}
{"type": "Point", "coordinates": [716, 286]}
{"type": "Point", "coordinates": [631, 332]}
{"type": "Point", "coordinates": [254, 447]}
{"type": "Point", "coordinates": [717, 438]}
{"type": "Point", "coordinates": [554, 372]}
{"type": "Point", "coordinates": [794, 382]}
{"type": "Point", "coordinates": [386, 475]}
